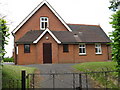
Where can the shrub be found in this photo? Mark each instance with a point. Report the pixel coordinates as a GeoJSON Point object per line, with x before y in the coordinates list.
{"type": "Point", "coordinates": [7, 59]}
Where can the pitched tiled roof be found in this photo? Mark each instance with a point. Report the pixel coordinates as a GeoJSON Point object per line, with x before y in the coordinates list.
{"type": "Point", "coordinates": [30, 36]}
{"type": "Point", "coordinates": [80, 33]}
{"type": "Point", "coordinates": [89, 33]}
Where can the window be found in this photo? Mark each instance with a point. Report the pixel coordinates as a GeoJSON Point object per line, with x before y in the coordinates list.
{"type": "Point", "coordinates": [26, 48]}
{"type": "Point", "coordinates": [43, 23]}
{"type": "Point", "coordinates": [82, 49]}
{"type": "Point", "coordinates": [65, 48]}
{"type": "Point", "coordinates": [98, 49]}
{"type": "Point", "coordinates": [17, 50]}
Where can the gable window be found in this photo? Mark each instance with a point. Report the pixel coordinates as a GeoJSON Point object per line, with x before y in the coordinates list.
{"type": "Point", "coordinates": [26, 48]}
{"type": "Point", "coordinates": [82, 49]}
{"type": "Point", "coordinates": [65, 48]}
{"type": "Point", "coordinates": [43, 23]}
{"type": "Point", "coordinates": [98, 49]}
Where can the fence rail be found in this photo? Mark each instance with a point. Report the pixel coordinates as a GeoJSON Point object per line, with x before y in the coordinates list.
{"type": "Point", "coordinates": [100, 79]}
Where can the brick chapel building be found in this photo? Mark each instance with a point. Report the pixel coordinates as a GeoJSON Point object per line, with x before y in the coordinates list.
{"type": "Point", "coordinates": [44, 37]}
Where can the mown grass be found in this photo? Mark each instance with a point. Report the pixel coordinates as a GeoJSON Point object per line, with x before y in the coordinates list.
{"type": "Point", "coordinates": [12, 72]}
{"type": "Point", "coordinates": [95, 66]}
{"type": "Point", "coordinates": [100, 77]}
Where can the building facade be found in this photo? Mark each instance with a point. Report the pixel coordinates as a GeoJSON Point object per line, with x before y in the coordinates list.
{"type": "Point", "coordinates": [44, 37]}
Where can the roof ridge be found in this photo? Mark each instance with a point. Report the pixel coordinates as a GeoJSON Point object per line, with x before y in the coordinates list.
{"type": "Point", "coordinates": [84, 24]}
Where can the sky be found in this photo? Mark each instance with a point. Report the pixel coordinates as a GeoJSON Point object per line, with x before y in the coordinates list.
{"type": "Point", "coordinates": [94, 12]}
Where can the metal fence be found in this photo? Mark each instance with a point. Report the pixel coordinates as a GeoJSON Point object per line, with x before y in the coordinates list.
{"type": "Point", "coordinates": [101, 79]}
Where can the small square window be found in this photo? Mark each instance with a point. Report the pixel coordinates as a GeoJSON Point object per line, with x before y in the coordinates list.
{"type": "Point", "coordinates": [26, 48]}
{"type": "Point", "coordinates": [65, 48]}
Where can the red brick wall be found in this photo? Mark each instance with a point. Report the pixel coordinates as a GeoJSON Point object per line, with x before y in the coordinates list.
{"type": "Point", "coordinates": [58, 56]}
{"type": "Point", "coordinates": [34, 22]}
{"type": "Point", "coordinates": [66, 57]}
{"type": "Point", "coordinates": [90, 54]}
{"type": "Point", "coordinates": [36, 52]}
{"type": "Point", "coordinates": [26, 58]}
{"type": "Point", "coordinates": [73, 55]}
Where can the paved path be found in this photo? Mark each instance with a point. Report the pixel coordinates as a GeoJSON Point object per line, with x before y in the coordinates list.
{"type": "Point", "coordinates": [59, 68]}
{"type": "Point", "coordinates": [57, 81]}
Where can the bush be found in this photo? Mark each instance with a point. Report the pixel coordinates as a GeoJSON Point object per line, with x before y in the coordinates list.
{"type": "Point", "coordinates": [7, 59]}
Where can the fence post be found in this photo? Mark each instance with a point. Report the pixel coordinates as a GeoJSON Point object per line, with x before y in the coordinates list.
{"type": "Point", "coordinates": [73, 80]}
{"type": "Point", "coordinates": [53, 81]}
{"type": "Point", "coordinates": [106, 80]}
{"type": "Point", "coordinates": [23, 84]}
{"type": "Point", "coordinates": [86, 76]}
{"type": "Point", "coordinates": [80, 81]}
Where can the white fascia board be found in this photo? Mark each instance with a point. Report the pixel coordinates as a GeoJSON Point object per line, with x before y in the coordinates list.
{"type": "Point", "coordinates": [47, 30]}
{"type": "Point", "coordinates": [39, 6]}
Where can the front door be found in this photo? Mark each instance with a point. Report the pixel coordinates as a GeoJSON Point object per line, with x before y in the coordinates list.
{"type": "Point", "coordinates": [47, 53]}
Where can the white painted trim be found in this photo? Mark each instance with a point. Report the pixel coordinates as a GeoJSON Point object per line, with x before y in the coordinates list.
{"type": "Point", "coordinates": [47, 30]}
{"type": "Point", "coordinates": [99, 48]}
{"type": "Point", "coordinates": [44, 23]}
{"type": "Point", "coordinates": [39, 6]}
{"type": "Point", "coordinates": [82, 47]}
{"type": "Point", "coordinates": [17, 50]}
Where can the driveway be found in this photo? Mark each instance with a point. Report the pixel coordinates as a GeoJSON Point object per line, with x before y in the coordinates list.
{"type": "Point", "coordinates": [55, 68]}
{"type": "Point", "coordinates": [62, 80]}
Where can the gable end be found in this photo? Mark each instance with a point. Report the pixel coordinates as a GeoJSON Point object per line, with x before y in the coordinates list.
{"type": "Point", "coordinates": [35, 10]}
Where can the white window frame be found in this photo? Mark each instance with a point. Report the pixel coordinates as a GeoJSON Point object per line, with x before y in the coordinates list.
{"type": "Point", "coordinates": [98, 47]}
{"type": "Point", "coordinates": [44, 23]}
{"type": "Point", "coordinates": [17, 50]}
{"type": "Point", "coordinates": [82, 48]}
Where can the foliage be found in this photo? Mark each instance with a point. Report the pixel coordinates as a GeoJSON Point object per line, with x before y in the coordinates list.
{"type": "Point", "coordinates": [116, 38]}
{"type": "Point", "coordinates": [3, 35]}
{"type": "Point", "coordinates": [7, 59]}
{"type": "Point", "coordinates": [114, 4]}
{"type": "Point", "coordinates": [13, 72]}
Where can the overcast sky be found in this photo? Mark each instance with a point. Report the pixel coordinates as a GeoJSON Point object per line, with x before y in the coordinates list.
{"type": "Point", "coordinates": [93, 12]}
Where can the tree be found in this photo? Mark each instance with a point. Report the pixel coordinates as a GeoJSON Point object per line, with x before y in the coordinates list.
{"type": "Point", "coordinates": [116, 38]}
{"type": "Point", "coordinates": [116, 34]}
{"type": "Point", "coordinates": [114, 5]}
{"type": "Point", "coordinates": [3, 35]}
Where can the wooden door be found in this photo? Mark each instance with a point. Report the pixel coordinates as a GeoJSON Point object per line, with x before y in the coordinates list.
{"type": "Point", "coordinates": [47, 53]}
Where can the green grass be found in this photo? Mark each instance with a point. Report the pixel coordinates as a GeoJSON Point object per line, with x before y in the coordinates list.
{"type": "Point", "coordinates": [95, 66]}
{"type": "Point", "coordinates": [12, 72]}
{"type": "Point", "coordinates": [99, 77]}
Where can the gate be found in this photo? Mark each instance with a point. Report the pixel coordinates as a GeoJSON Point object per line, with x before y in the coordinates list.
{"type": "Point", "coordinates": [74, 80]}
{"type": "Point", "coordinates": [55, 80]}
{"type": "Point", "coordinates": [102, 79]}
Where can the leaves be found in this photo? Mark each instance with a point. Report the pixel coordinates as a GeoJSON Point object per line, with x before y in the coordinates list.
{"type": "Point", "coordinates": [114, 5]}
{"type": "Point", "coordinates": [3, 35]}
{"type": "Point", "coordinates": [116, 38]}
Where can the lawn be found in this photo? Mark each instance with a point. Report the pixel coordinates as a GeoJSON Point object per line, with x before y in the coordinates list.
{"type": "Point", "coordinates": [100, 78]}
{"type": "Point", "coordinates": [95, 66]}
{"type": "Point", "coordinates": [12, 72]}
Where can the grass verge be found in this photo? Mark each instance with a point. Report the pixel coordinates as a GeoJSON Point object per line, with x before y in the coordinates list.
{"type": "Point", "coordinates": [109, 81]}
{"type": "Point", "coordinates": [11, 75]}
